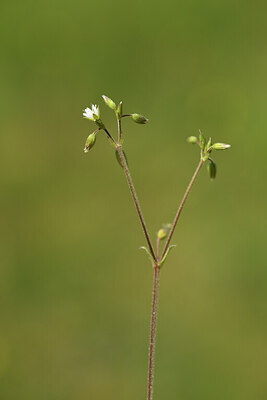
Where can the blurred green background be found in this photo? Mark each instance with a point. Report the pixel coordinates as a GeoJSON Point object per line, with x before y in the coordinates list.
{"type": "Point", "coordinates": [75, 291]}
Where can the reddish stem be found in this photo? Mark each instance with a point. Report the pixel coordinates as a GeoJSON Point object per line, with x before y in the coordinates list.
{"type": "Point", "coordinates": [153, 333]}
{"type": "Point", "coordinates": [189, 187]}
{"type": "Point", "coordinates": [136, 201]}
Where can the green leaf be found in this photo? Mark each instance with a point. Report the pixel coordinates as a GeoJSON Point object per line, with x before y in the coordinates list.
{"type": "Point", "coordinates": [166, 255]}
{"type": "Point", "coordinates": [148, 253]}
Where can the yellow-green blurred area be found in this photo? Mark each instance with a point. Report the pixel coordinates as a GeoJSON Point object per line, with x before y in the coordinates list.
{"type": "Point", "coordinates": [75, 290]}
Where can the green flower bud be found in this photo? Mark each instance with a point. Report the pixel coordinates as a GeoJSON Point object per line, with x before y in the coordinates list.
{"type": "Point", "coordinates": [139, 119]}
{"type": "Point", "coordinates": [89, 142]}
{"type": "Point", "coordinates": [192, 139]}
{"type": "Point", "coordinates": [220, 146]}
{"type": "Point", "coordinates": [119, 110]}
{"type": "Point", "coordinates": [202, 140]}
{"type": "Point", "coordinates": [211, 166]}
{"type": "Point", "coordinates": [209, 145]}
{"type": "Point", "coordinates": [161, 233]}
{"type": "Point", "coordinates": [119, 159]}
{"type": "Point", "coordinates": [110, 103]}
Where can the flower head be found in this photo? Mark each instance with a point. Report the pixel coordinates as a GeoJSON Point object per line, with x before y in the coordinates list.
{"type": "Point", "coordinates": [92, 113]}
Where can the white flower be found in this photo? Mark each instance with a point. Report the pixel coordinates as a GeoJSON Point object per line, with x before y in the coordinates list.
{"type": "Point", "coordinates": [92, 114]}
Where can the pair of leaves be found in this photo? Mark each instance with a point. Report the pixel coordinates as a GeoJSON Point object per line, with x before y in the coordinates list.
{"type": "Point", "coordinates": [163, 259]}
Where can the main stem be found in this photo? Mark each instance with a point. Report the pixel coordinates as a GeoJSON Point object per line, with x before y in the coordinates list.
{"type": "Point", "coordinates": [189, 187]}
{"type": "Point", "coordinates": [136, 201]}
{"type": "Point", "coordinates": [153, 333]}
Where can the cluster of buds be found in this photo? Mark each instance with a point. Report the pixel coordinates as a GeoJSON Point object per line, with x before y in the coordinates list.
{"type": "Point", "coordinates": [206, 148]}
{"type": "Point", "coordinates": [93, 114]}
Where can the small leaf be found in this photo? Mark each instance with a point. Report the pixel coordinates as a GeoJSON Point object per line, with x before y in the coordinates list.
{"type": "Point", "coordinates": [148, 253]}
{"type": "Point", "coordinates": [166, 255]}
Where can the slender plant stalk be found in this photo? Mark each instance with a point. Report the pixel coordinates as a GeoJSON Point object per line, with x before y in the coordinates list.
{"type": "Point", "coordinates": [110, 136]}
{"type": "Point", "coordinates": [158, 242]}
{"type": "Point", "coordinates": [157, 260]}
{"type": "Point", "coordinates": [136, 201]}
{"type": "Point", "coordinates": [153, 332]}
{"type": "Point", "coordinates": [189, 187]}
{"type": "Point", "coordinates": [119, 130]}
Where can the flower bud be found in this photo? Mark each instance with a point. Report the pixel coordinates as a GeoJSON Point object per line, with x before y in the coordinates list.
{"type": "Point", "coordinates": [110, 103]}
{"type": "Point", "coordinates": [119, 158]}
{"type": "Point", "coordinates": [192, 139]}
{"type": "Point", "coordinates": [119, 110]}
{"type": "Point", "coordinates": [139, 119]}
{"type": "Point", "coordinates": [220, 146]}
{"type": "Point", "coordinates": [202, 140]}
{"type": "Point", "coordinates": [162, 233]}
{"type": "Point", "coordinates": [209, 145]}
{"type": "Point", "coordinates": [211, 166]}
{"type": "Point", "coordinates": [89, 142]}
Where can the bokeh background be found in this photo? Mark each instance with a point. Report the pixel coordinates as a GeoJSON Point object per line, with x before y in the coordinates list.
{"type": "Point", "coordinates": [75, 291]}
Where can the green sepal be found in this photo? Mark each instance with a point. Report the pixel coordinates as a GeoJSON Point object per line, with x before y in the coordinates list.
{"type": "Point", "coordinates": [166, 255]}
{"type": "Point", "coordinates": [148, 253]}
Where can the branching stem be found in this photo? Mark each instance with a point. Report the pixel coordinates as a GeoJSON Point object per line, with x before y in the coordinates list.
{"type": "Point", "coordinates": [136, 201]}
{"type": "Point", "coordinates": [189, 187]}
{"type": "Point", "coordinates": [156, 257]}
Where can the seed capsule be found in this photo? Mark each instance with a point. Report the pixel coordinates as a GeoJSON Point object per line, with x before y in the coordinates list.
{"type": "Point", "coordinates": [211, 167]}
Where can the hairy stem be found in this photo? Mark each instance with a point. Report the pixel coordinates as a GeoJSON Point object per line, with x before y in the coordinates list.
{"type": "Point", "coordinates": [136, 201]}
{"type": "Point", "coordinates": [189, 187]}
{"type": "Point", "coordinates": [119, 131]}
{"type": "Point", "coordinates": [158, 243]}
{"type": "Point", "coordinates": [153, 333]}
